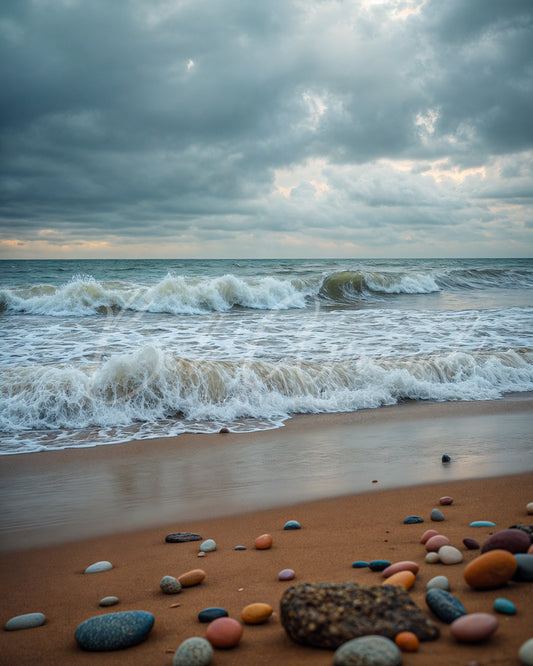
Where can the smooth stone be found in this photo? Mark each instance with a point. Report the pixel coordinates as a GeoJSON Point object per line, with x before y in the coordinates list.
{"type": "Point", "coordinates": [407, 641]}
{"type": "Point", "coordinates": [114, 631]}
{"type": "Point", "coordinates": [432, 557]}
{"type": "Point", "coordinates": [504, 606]}
{"type": "Point", "coordinates": [411, 520]}
{"type": "Point", "coordinates": [379, 565]}
{"type": "Point", "coordinates": [450, 555]}
{"type": "Point", "coordinates": [437, 515]}
{"type": "Point", "coordinates": [208, 546]}
{"type": "Point", "coordinates": [201, 554]}
{"type": "Point", "coordinates": [170, 585]}
{"type": "Point", "coordinates": [263, 542]}
{"type": "Point", "coordinates": [490, 570]}
{"type": "Point", "coordinates": [513, 540]}
{"type": "Point", "coordinates": [212, 613]}
{"type": "Point", "coordinates": [240, 547]}
{"type": "Point", "coordinates": [525, 653]}
{"type": "Point", "coordinates": [445, 606]}
{"type": "Point", "coordinates": [406, 565]}
{"type": "Point", "coordinates": [359, 564]}
{"type": "Point", "coordinates": [438, 583]}
{"type": "Point", "coordinates": [292, 525]}
{"type": "Point", "coordinates": [436, 542]}
{"type": "Point", "coordinates": [182, 537]}
{"type": "Point", "coordinates": [225, 632]}
{"type": "Point", "coordinates": [286, 574]}
{"type": "Point", "coordinates": [190, 578]}
{"type": "Point", "coordinates": [530, 550]}
{"type": "Point", "coordinates": [471, 544]}
{"type": "Point", "coordinates": [26, 621]}
{"type": "Point", "coordinates": [368, 651]}
{"type": "Point", "coordinates": [482, 523]}
{"type": "Point", "coordinates": [529, 508]}
{"type": "Point", "coordinates": [97, 567]}
{"type": "Point", "coordinates": [193, 651]}
{"type": "Point", "coordinates": [474, 627]}
{"type": "Point", "coordinates": [223, 430]}
{"type": "Point", "coordinates": [446, 500]}
{"type": "Point", "coordinates": [524, 569]}
{"type": "Point", "coordinates": [405, 579]}
{"type": "Point", "coordinates": [427, 536]}
{"type": "Point", "coordinates": [256, 613]}
{"type": "Point", "coordinates": [109, 601]}
{"type": "Point", "coordinates": [445, 458]}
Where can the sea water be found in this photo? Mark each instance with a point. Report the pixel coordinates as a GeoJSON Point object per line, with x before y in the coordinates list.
{"type": "Point", "coordinates": [99, 352]}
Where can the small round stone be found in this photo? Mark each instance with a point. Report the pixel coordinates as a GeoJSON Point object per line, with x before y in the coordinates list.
{"type": "Point", "coordinates": [529, 508]}
{"type": "Point", "coordinates": [405, 579]}
{"type": "Point", "coordinates": [438, 583]}
{"type": "Point", "coordinates": [190, 578]}
{"type": "Point", "coordinates": [471, 544]}
{"type": "Point", "coordinates": [446, 500]}
{"type": "Point", "coordinates": [225, 632]}
{"type": "Point", "coordinates": [437, 515]}
{"type": "Point", "coordinates": [359, 564]}
{"type": "Point", "coordinates": [223, 430]}
{"type": "Point", "coordinates": [256, 613]}
{"type": "Point", "coordinates": [194, 651]}
{"type": "Point", "coordinates": [504, 606]}
{"type": "Point", "coordinates": [286, 574]}
{"type": "Point", "coordinates": [97, 567]}
{"type": "Point", "coordinates": [436, 542]}
{"type": "Point", "coordinates": [427, 536]}
{"type": "Point", "coordinates": [368, 651]}
{"type": "Point", "coordinates": [474, 627]}
{"type": "Point", "coordinates": [170, 585]}
{"type": "Point", "coordinates": [26, 621]}
{"type": "Point", "coordinates": [263, 542]}
{"type": "Point", "coordinates": [292, 525]}
{"type": "Point", "coordinates": [412, 520]}
{"type": "Point", "coordinates": [525, 654]}
{"type": "Point", "coordinates": [450, 555]}
{"type": "Point", "coordinates": [212, 613]}
{"type": "Point", "coordinates": [407, 641]}
{"type": "Point", "coordinates": [432, 557]}
{"type": "Point", "coordinates": [208, 546]}
{"type": "Point", "coordinates": [445, 458]}
{"type": "Point", "coordinates": [109, 601]}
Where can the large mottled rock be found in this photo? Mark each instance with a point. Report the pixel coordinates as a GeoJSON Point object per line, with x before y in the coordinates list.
{"type": "Point", "coordinates": [114, 631]}
{"type": "Point", "coordinates": [329, 614]}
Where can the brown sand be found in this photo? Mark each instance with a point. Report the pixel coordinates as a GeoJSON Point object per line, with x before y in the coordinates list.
{"type": "Point", "coordinates": [334, 533]}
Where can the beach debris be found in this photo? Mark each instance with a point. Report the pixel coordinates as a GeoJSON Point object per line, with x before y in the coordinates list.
{"type": "Point", "coordinates": [97, 567]}
{"type": "Point", "coordinates": [445, 606]}
{"type": "Point", "coordinates": [436, 542]}
{"type": "Point", "coordinates": [432, 557]}
{"type": "Point", "coordinates": [256, 613]}
{"type": "Point", "coordinates": [292, 525]}
{"type": "Point", "coordinates": [170, 585]}
{"type": "Point", "coordinates": [109, 601]}
{"type": "Point", "coordinates": [263, 542]}
{"type": "Point", "coordinates": [240, 547]}
{"type": "Point", "coordinates": [445, 458]}
{"type": "Point", "coordinates": [286, 574]}
{"type": "Point", "coordinates": [114, 631]}
{"type": "Point", "coordinates": [411, 520]}
{"type": "Point", "coordinates": [191, 578]}
{"type": "Point", "coordinates": [329, 614]}
{"type": "Point", "coordinates": [504, 606]}
{"type": "Point", "coordinates": [407, 641]}
{"type": "Point", "coordinates": [529, 508]}
{"type": "Point", "coordinates": [26, 621]}
{"type": "Point", "coordinates": [438, 583]}
{"type": "Point", "coordinates": [525, 654]}
{"type": "Point", "coordinates": [368, 650]}
{"type": "Point", "coordinates": [405, 565]}
{"type": "Point", "coordinates": [474, 627]}
{"type": "Point", "coordinates": [482, 523]}
{"type": "Point", "coordinates": [524, 568]}
{"type": "Point", "coordinates": [450, 555]}
{"type": "Point", "coordinates": [470, 544]}
{"type": "Point", "coordinates": [513, 540]}
{"type": "Point", "coordinates": [208, 546]}
{"type": "Point", "coordinates": [405, 579]}
{"type": "Point", "coordinates": [437, 515]}
{"type": "Point", "coordinates": [194, 651]}
{"type": "Point", "coordinates": [224, 632]}
{"type": "Point", "coordinates": [212, 613]}
{"type": "Point", "coordinates": [446, 500]}
{"type": "Point", "coordinates": [490, 570]}
{"type": "Point", "coordinates": [427, 535]}
{"type": "Point", "coordinates": [182, 537]}
{"type": "Point", "coordinates": [360, 564]}
{"type": "Point", "coordinates": [379, 565]}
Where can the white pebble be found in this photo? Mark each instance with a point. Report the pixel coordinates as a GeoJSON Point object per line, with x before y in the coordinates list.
{"type": "Point", "coordinates": [104, 565]}
{"type": "Point", "coordinates": [450, 555]}
{"type": "Point", "coordinates": [208, 546]}
{"type": "Point", "coordinates": [109, 601]}
{"type": "Point", "coordinates": [525, 653]}
{"type": "Point", "coordinates": [529, 508]}
{"type": "Point", "coordinates": [432, 558]}
{"type": "Point", "coordinates": [438, 583]}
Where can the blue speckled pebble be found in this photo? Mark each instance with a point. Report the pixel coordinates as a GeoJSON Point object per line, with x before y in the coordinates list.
{"type": "Point", "coordinates": [445, 606]}
{"type": "Point", "coordinates": [368, 651]}
{"type": "Point", "coordinates": [504, 606]}
{"type": "Point", "coordinates": [360, 564]}
{"type": "Point", "coordinates": [379, 565]}
{"type": "Point", "coordinates": [524, 570]}
{"type": "Point", "coordinates": [27, 621]}
{"type": "Point", "coordinates": [292, 525]}
{"type": "Point", "coordinates": [212, 613]}
{"type": "Point", "coordinates": [194, 651]}
{"type": "Point", "coordinates": [114, 631]}
{"type": "Point", "coordinates": [482, 523]}
{"type": "Point", "coordinates": [411, 520]}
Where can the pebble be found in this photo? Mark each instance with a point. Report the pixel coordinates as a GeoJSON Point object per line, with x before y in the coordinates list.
{"type": "Point", "coordinates": [438, 583]}
{"type": "Point", "coordinates": [360, 564]}
{"type": "Point", "coordinates": [437, 515]}
{"type": "Point", "coordinates": [524, 569]}
{"type": "Point", "coordinates": [212, 613]}
{"type": "Point", "coordinates": [263, 542]}
{"type": "Point", "coordinates": [490, 570]}
{"type": "Point", "coordinates": [432, 557]}
{"type": "Point", "coordinates": [256, 613]}
{"type": "Point", "coordinates": [474, 627]}
{"type": "Point", "coordinates": [97, 567]}
{"type": "Point", "coordinates": [504, 606]}
{"type": "Point", "coordinates": [529, 508]}
{"type": "Point", "coordinates": [405, 579]}
{"type": "Point", "coordinates": [193, 651]}
{"type": "Point", "coordinates": [225, 632]}
{"type": "Point", "coordinates": [407, 641]}
{"type": "Point", "coordinates": [368, 650]}
{"type": "Point", "coordinates": [427, 535]}
{"type": "Point", "coordinates": [436, 542]}
{"type": "Point", "coordinates": [515, 541]}
{"type": "Point", "coordinates": [190, 578]}
{"type": "Point", "coordinates": [482, 523]}
{"type": "Point", "coordinates": [471, 544]}
{"type": "Point", "coordinates": [379, 565]}
{"type": "Point", "coordinates": [292, 525]}
{"type": "Point", "coordinates": [411, 520]}
{"type": "Point", "coordinates": [26, 621]}
{"type": "Point", "coordinates": [170, 585]}
{"type": "Point", "coordinates": [406, 565]}
{"type": "Point", "coordinates": [240, 547]}
{"type": "Point", "coordinates": [201, 554]}
{"type": "Point", "coordinates": [109, 601]}
{"type": "Point", "coordinates": [445, 606]}
{"type": "Point", "coordinates": [286, 574]}
{"type": "Point", "coordinates": [525, 654]}
{"type": "Point", "coordinates": [450, 555]}
{"type": "Point", "coordinates": [445, 458]}
{"type": "Point", "coordinates": [446, 500]}
{"type": "Point", "coordinates": [208, 546]}
{"type": "Point", "coordinates": [182, 537]}
{"type": "Point", "coordinates": [114, 631]}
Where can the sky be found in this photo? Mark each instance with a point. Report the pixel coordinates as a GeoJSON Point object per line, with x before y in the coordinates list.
{"type": "Point", "coordinates": [284, 128]}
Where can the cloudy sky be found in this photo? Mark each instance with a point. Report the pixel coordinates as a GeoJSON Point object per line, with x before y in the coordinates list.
{"type": "Point", "coordinates": [276, 128]}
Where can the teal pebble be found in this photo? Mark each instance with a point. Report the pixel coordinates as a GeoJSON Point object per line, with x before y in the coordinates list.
{"type": "Point", "coordinates": [482, 523]}
{"type": "Point", "coordinates": [359, 564]}
{"type": "Point", "coordinates": [292, 525]}
{"type": "Point", "coordinates": [114, 631]}
{"type": "Point", "coordinates": [27, 621]}
{"type": "Point", "coordinates": [411, 520]}
{"type": "Point", "coordinates": [194, 651]}
{"type": "Point", "coordinates": [212, 613]}
{"type": "Point", "coordinates": [379, 565]}
{"type": "Point", "coordinates": [240, 547]}
{"type": "Point", "coordinates": [504, 606]}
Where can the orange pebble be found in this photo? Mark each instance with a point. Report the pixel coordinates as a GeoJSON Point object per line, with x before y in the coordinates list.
{"type": "Point", "coordinates": [407, 641]}
{"type": "Point", "coordinates": [263, 542]}
{"type": "Point", "coordinates": [256, 613]}
{"type": "Point", "coordinates": [191, 578]}
{"type": "Point", "coordinates": [492, 569]}
{"type": "Point", "coordinates": [405, 579]}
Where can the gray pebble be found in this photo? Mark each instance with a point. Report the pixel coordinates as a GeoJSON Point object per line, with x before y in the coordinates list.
{"type": "Point", "coordinates": [438, 583]}
{"type": "Point", "coordinates": [26, 621]}
{"type": "Point", "coordinates": [525, 653]}
{"type": "Point", "coordinates": [109, 601]}
{"type": "Point", "coordinates": [194, 651]}
{"type": "Point", "coordinates": [97, 567]}
{"type": "Point", "coordinates": [368, 651]}
{"type": "Point", "coordinates": [208, 546]}
{"type": "Point", "coordinates": [437, 515]}
{"type": "Point", "coordinates": [170, 585]}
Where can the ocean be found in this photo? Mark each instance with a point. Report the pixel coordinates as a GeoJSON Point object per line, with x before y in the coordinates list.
{"type": "Point", "coordinates": [97, 352]}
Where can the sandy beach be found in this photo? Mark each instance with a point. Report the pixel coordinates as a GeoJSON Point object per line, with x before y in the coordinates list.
{"type": "Point", "coordinates": [339, 526]}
